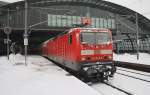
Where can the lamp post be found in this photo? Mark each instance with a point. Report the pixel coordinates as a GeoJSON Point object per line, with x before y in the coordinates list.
{"type": "Point", "coordinates": [7, 31]}
{"type": "Point", "coordinates": [8, 35]}
{"type": "Point", "coordinates": [26, 31]}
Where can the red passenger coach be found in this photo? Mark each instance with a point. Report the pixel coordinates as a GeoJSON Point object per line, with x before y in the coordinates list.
{"type": "Point", "coordinates": [88, 51]}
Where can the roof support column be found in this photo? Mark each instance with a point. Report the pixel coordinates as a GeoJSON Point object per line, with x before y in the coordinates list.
{"type": "Point", "coordinates": [26, 31]}
{"type": "Point", "coordinates": [117, 33]}
{"type": "Point", "coordinates": [137, 35]}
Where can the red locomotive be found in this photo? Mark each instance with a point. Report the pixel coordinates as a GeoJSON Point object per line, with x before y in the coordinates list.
{"type": "Point", "coordinates": [88, 51]}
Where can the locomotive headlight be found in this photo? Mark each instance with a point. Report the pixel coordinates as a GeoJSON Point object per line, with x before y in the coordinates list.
{"type": "Point", "coordinates": [110, 57]}
{"type": "Point", "coordinates": [87, 52]}
{"type": "Point", "coordinates": [83, 59]}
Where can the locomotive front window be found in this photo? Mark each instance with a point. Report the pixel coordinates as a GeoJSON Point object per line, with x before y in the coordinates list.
{"type": "Point", "coordinates": [102, 37]}
{"type": "Point", "coordinates": [88, 37]}
{"type": "Point", "coordinates": [95, 37]}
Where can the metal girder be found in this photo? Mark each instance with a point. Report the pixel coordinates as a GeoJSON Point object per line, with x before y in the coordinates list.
{"type": "Point", "coordinates": [91, 3]}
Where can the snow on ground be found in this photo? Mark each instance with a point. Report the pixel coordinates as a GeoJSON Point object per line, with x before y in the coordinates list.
{"type": "Point", "coordinates": [40, 77]}
{"type": "Point", "coordinates": [134, 86]}
{"type": "Point", "coordinates": [144, 58]}
{"type": "Point", "coordinates": [134, 73]}
{"type": "Point", "coordinates": [131, 70]}
{"type": "Point", "coordinates": [131, 85]}
{"type": "Point", "coordinates": [106, 90]}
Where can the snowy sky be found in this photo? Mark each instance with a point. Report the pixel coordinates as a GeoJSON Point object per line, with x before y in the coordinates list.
{"type": "Point", "coordinates": [141, 6]}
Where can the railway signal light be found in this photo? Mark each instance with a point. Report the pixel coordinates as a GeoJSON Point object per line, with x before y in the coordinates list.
{"type": "Point", "coordinates": [7, 30]}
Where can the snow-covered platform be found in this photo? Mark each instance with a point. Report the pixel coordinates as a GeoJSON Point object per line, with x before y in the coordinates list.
{"type": "Point", "coordinates": [40, 77]}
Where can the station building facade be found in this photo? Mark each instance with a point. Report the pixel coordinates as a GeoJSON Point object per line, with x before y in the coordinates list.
{"type": "Point", "coordinates": [47, 18]}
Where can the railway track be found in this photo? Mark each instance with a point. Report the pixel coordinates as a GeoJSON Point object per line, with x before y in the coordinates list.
{"type": "Point", "coordinates": [112, 86]}
{"type": "Point", "coordinates": [124, 74]}
{"type": "Point", "coordinates": [133, 72]}
{"type": "Point", "coordinates": [135, 66]}
{"type": "Point", "coordinates": [133, 77]}
{"type": "Point", "coordinates": [115, 87]}
{"type": "Point", "coordinates": [120, 89]}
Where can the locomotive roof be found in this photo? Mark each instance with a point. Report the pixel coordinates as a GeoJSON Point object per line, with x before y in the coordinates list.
{"type": "Point", "coordinates": [71, 30]}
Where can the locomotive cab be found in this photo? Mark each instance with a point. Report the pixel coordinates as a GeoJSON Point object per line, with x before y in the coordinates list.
{"type": "Point", "coordinates": [96, 53]}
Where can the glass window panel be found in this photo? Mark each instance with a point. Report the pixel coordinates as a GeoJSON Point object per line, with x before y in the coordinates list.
{"type": "Point", "coordinates": [78, 20]}
{"type": "Point", "coordinates": [70, 39]}
{"type": "Point", "coordinates": [53, 20]}
{"type": "Point", "coordinates": [64, 20]}
{"type": "Point", "coordinates": [101, 23]}
{"type": "Point", "coordinates": [109, 23]}
{"type": "Point", "coordinates": [97, 23]}
{"type": "Point", "coordinates": [59, 20]}
{"type": "Point", "coordinates": [105, 23]}
{"type": "Point", "coordinates": [94, 38]}
{"type": "Point", "coordinates": [49, 20]}
{"type": "Point", "coordinates": [74, 19]}
{"type": "Point", "coordinates": [113, 24]}
{"type": "Point", "coordinates": [69, 22]}
{"type": "Point", "coordinates": [93, 22]}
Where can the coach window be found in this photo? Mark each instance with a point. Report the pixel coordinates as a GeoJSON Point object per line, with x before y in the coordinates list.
{"type": "Point", "coordinates": [70, 39]}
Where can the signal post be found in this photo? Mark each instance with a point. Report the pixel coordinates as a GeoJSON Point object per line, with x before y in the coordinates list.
{"type": "Point", "coordinates": [7, 31]}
